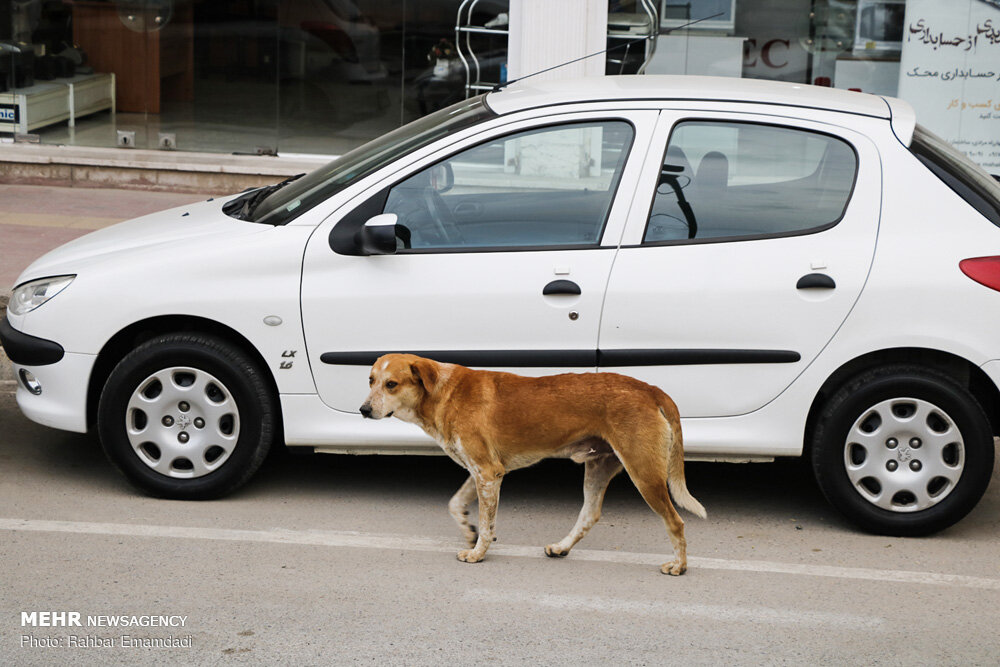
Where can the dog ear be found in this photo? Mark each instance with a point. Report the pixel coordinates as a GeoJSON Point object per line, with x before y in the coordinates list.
{"type": "Point", "coordinates": [425, 372]}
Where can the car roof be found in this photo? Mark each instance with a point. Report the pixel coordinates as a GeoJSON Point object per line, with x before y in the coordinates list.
{"type": "Point", "coordinates": [531, 94]}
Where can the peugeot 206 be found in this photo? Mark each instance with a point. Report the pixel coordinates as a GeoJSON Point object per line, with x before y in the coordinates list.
{"type": "Point", "coordinates": [806, 271]}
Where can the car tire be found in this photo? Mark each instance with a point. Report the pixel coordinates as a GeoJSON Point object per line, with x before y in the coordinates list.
{"type": "Point", "coordinates": [903, 451]}
{"type": "Point", "coordinates": [187, 416]}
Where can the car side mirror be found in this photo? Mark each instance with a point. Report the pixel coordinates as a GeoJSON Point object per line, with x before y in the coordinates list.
{"type": "Point", "coordinates": [378, 235]}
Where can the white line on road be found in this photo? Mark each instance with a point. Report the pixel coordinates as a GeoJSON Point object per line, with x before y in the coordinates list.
{"type": "Point", "coordinates": [722, 613]}
{"type": "Point", "coordinates": [357, 540]}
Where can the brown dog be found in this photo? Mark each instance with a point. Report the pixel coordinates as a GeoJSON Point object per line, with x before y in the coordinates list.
{"type": "Point", "coordinates": [490, 423]}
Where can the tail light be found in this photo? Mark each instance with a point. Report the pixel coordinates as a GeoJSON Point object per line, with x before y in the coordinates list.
{"type": "Point", "coordinates": [984, 270]}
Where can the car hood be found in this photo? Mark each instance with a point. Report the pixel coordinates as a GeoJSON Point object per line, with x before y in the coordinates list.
{"type": "Point", "coordinates": [200, 223]}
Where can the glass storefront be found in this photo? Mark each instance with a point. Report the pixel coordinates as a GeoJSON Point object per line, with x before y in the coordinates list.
{"type": "Point", "coordinates": [324, 76]}
{"type": "Point", "coordinates": [233, 76]}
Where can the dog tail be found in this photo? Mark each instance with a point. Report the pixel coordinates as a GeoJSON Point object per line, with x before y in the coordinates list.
{"type": "Point", "coordinates": [676, 481]}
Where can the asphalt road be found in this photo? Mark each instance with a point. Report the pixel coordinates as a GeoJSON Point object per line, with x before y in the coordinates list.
{"type": "Point", "coordinates": [336, 559]}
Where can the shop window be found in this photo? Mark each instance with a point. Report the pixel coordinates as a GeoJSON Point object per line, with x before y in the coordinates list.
{"type": "Point", "coordinates": [745, 180]}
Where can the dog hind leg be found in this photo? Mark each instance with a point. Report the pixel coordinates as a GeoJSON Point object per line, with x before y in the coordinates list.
{"type": "Point", "coordinates": [647, 464]}
{"type": "Point", "coordinates": [655, 493]}
{"type": "Point", "coordinates": [597, 475]}
{"type": "Point", "coordinates": [458, 507]}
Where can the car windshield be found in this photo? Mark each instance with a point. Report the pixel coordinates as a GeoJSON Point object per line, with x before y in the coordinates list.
{"type": "Point", "coordinates": [288, 201]}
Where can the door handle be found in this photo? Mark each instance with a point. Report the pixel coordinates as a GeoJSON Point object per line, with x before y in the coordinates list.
{"type": "Point", "coordinates": [815, 281]}
{"type": "Point", "coordinates": [561, 287]}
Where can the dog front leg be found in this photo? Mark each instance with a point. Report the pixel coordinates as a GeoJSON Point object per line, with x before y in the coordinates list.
{"type": "Point", "coordinates": [488, 490]}
{"type": "Point", "coordinates": [458, 507]}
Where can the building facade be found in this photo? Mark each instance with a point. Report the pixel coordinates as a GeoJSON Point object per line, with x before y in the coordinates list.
{"type": "Point", "coordinates": [319, 77]}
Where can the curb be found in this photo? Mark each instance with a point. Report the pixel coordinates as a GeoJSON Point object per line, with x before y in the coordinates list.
{"type": "Point", "coordinates": [6, 368]}
{"type": "Point", "coordinates": [140, 169]}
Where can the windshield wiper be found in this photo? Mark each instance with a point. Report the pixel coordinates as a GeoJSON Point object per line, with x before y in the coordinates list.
{"type": "Point", "coordinates": [244, 207]}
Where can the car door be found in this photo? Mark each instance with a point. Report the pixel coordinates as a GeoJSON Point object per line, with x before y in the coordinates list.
{"type": "Point", "coordinates": [755, 247]}
{"type": "Point", "coordinates": [505, 246]}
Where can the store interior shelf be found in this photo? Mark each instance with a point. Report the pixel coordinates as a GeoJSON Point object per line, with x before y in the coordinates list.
{"type": "Point", "coordinates": [45, 103]}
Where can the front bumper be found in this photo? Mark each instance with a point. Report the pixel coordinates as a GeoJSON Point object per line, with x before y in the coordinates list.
{"type": "Point", "coordinates": [63, 377]}
{"type": "Point", "coordinates": [28, 350]}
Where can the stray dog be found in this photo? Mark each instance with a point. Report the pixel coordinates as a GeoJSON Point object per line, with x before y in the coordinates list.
{"type": "Point", "coordinates": [490, 423]}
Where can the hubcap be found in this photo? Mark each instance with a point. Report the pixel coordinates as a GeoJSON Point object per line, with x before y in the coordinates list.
{"type": "Point", "coordinates": [182, 422]}
{"type": "Point", "coordinates": [904, 455]}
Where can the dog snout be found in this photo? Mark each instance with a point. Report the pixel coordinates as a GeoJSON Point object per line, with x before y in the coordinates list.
{"type": "Point", "coordinates": [366, 411]}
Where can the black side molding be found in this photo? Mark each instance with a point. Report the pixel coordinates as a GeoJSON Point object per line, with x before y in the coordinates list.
{"type": "Point", "coordinates": [28, 350]}
{"type": "Point", "coordinates": [578, 358]}
{"type": "Point", "coordinates": [694, 357]}
{"type": "Point", "coordinates": [495, 358]}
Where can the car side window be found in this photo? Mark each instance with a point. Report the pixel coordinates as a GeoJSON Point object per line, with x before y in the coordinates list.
{"type": "Point", "coordinates": [746, 180]}
{"type": "Point", "coordinates": [551, 186]}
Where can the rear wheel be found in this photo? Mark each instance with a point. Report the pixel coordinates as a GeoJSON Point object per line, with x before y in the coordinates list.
{"type": "Point", "coordinates": [187, 416]}
{"type": "Point", "coordinates": [903, 451]}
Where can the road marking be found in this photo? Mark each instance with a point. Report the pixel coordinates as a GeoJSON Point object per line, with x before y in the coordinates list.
{"type": "Point", "coordinates": [357, 540]}
{"type": "Point", "coordinates": [722, 613]}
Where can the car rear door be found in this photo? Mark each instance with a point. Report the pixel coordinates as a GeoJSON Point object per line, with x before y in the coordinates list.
{"type": "Point", "coordinates": [755, 247]}
{"type": "Point", "coordinates": [510, 238]}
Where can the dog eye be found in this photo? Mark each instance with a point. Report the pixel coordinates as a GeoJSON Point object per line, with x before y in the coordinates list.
{"type": "Point", "coordinates": [371, 381]}
{"type": "Point", "coordinates": [390, 384]}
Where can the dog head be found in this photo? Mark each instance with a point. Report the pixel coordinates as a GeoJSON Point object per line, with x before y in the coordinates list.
{"type": "Point", "coordinates": [399, 382]}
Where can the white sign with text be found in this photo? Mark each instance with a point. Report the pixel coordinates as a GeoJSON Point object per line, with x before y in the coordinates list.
{"type": "Point", "coordinates": [950, 72]}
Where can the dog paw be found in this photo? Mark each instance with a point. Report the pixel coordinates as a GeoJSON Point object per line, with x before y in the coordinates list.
{"type": "Point", "coordinates": [674, 568]}
{"type": "Point", "coordinates": [555, 551]}
{"type": "Point", "coordinates": [470, 556]}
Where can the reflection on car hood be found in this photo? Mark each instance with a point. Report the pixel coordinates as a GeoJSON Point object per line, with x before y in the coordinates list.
{"type": "Point", "coordinates": [196, 223]}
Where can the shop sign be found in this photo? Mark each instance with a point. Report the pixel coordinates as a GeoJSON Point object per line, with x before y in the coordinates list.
{"type": "Point", "coordinates": [10, 113]}
{"type": "Point", "coordinates": [950, 72]}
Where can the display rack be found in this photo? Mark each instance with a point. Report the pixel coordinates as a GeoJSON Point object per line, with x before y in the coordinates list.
{"type": "Point", "coordinates": [25, 109]}
{"type": "Point", "coordinates": [632, 27]}
{"type": "Point", "coordinates": [620, 27]}
{"type": "Point", "coordinates": [465, 29]}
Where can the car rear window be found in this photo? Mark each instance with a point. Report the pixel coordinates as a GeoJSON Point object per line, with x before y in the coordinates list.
{"type": "Point", "coordinates": [736, 180]}
{"type": "Point", "coordinates": [967, 179]}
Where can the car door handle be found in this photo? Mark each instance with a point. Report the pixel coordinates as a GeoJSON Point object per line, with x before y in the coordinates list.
{"type": "Point", "coordinates": [561, 287]}
{"type": "Point", "coordinates": [815, 281]}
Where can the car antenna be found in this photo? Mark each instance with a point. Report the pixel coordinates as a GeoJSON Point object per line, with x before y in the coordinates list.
{"type": "Point", "coordinates": [500, 86]}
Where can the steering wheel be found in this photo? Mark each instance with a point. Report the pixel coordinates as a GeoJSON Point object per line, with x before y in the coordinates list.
{"type": "Point", "coordinates": [442, 217]}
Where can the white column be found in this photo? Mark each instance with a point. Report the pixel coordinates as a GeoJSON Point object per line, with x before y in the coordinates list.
{"type": "Point", "coordinates": [544, 33]}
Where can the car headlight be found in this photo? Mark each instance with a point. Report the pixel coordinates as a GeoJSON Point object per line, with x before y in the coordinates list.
{"type": "Point", "coordinates": [31, 295]}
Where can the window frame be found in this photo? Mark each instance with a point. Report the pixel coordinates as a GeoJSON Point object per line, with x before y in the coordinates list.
{"type": "Point", "coordinates": [643, 243]}
{"type": "Point", "coordinates": [627, 154]}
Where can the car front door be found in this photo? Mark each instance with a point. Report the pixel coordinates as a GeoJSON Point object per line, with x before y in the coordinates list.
{"type": "Point", "coordinates": [505, 245]}
{"type": "Point", "coordinates": [756, 246]}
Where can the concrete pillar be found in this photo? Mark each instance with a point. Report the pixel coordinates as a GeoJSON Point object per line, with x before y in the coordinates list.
{"type": "Point", "coordinates": [544, 33]}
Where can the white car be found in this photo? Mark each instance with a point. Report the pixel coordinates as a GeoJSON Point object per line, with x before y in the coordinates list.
{"type": "Point", "coordinates": [804, 270]}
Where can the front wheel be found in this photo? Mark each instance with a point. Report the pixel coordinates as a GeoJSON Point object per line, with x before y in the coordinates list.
{"type": "Point", "coordinates": [187, 416]}
{"type": "Point", "coordinates": [903, 451]}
